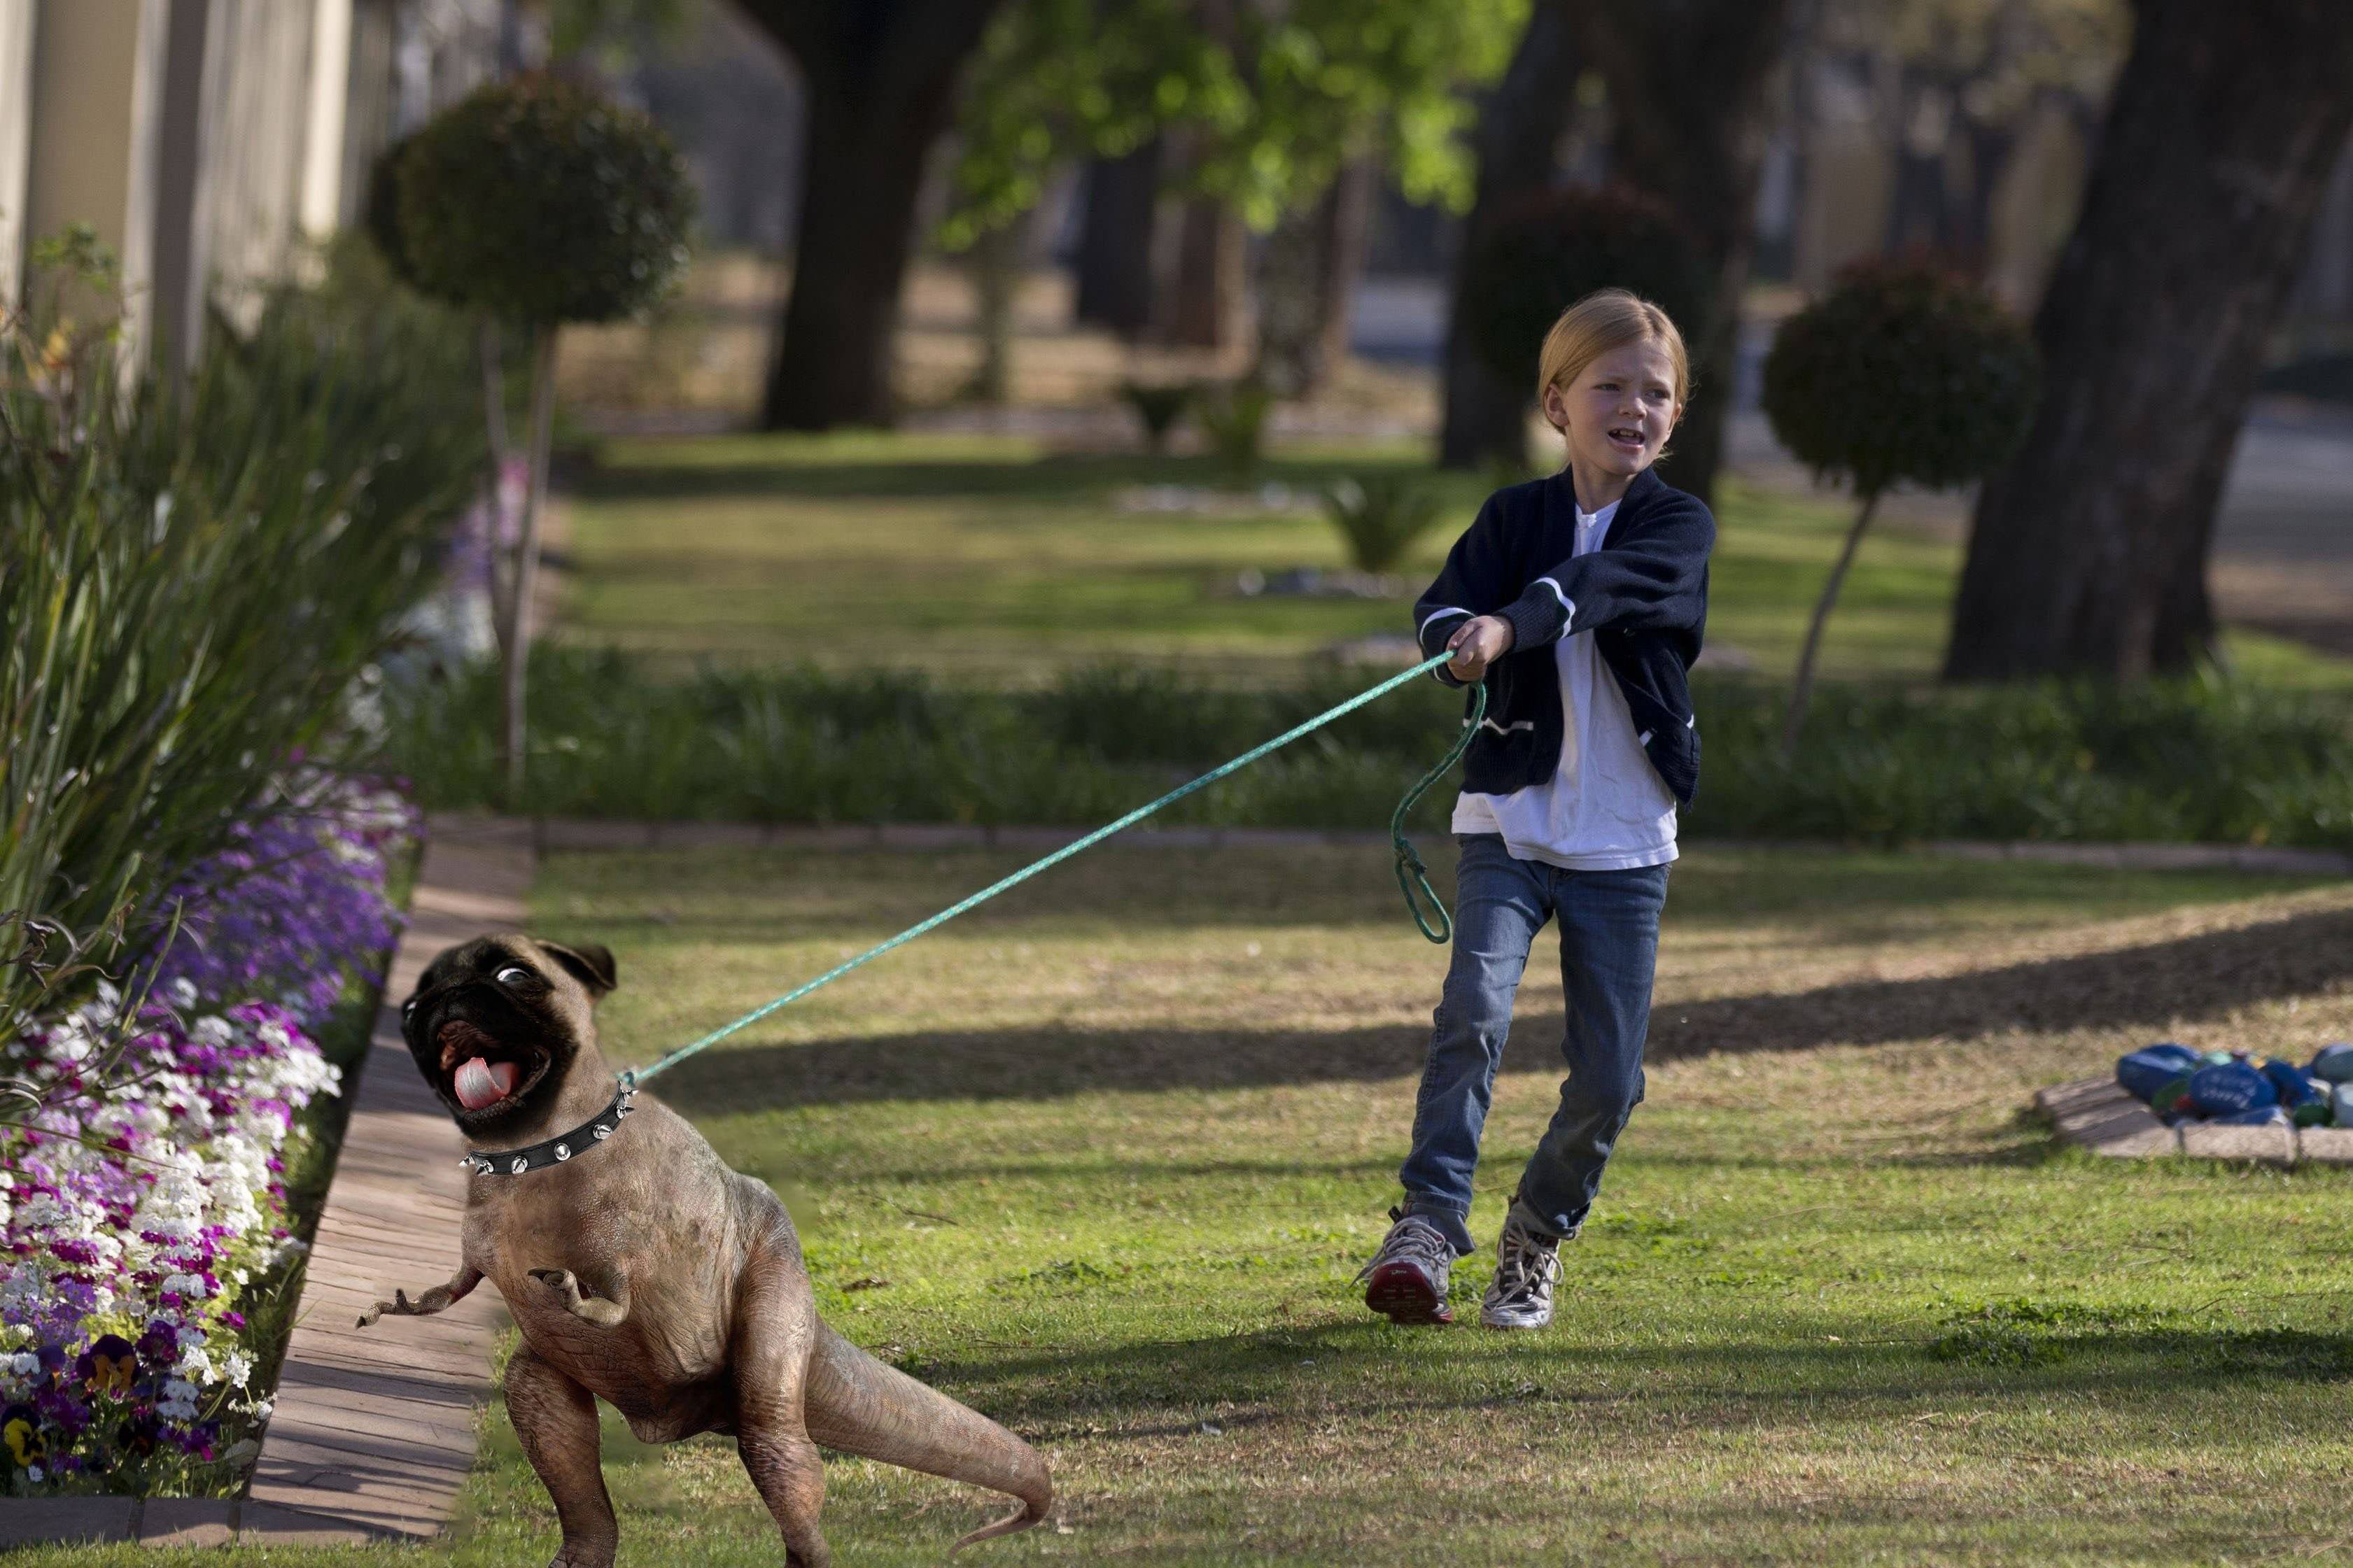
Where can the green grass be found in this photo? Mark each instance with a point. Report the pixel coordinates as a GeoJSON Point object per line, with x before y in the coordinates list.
{"type": "Point", "coordinates": [1102, 1156]}
{"type": "Point", "coordinates": [984, 557]}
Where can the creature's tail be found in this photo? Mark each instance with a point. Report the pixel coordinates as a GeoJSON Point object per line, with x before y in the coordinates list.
{"type": "Point", "coordinates": [861, 1406]}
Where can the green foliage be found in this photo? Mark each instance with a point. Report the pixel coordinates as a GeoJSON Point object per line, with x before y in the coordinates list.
{"type": "Point", "coordinates": [191, 577]}
{"type": "Point", "coordinates": [539, 201]}
{"type": "Point", "coordinates": [1882, 764]}
{"type": "Point", "coordinates": [1272, 110]}
{"type": "Point", "coordinates": [1902, 372]}
{"type": "Point", "coordinates": [380, 211]}
{"type": "Point", "coordinates": [1233, 417]}
{"type": "Point", "coordinates": [1158, 407]}
{"type": "Point", "coordinates": [1551, 249]}
{"type": "Point", "coordinates": [1380, 515]}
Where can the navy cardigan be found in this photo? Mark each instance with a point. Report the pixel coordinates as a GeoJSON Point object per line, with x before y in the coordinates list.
{"type": "Point", "coordinates": [1643, 595]}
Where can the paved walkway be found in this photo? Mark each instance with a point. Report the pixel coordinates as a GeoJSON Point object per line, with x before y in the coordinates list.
{"type": "Point", "coordinates": [374, 1429]}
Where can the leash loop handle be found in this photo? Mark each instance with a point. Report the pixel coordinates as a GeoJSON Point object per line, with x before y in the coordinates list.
{"type": "Point", "coordinates": [1411, 874]}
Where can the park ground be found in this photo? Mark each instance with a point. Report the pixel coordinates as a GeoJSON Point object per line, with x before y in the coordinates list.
{"type": "Point", "coordinates": [992, 557]}
{"type": "Point", "coordinates": [1100, 1158]}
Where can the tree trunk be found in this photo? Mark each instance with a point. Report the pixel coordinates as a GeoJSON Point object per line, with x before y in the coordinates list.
{"type": "Point", "coordinates": [880, 77]}
{"type": "Point", "coordinates": [1688, 82]}
{"type": "Point", "coordinates": [1114, 260]}
{"type": "Point", "coordinates": [996, 265]}
{"type": "Point", "coordinates": [523, 575]}
{"type": "Point", "coordinates": [1201, 305]}
{"type": "Point", "coordinates": [1802, 691]}
{"type": "Point", "coordinates": [2152, 334]}
{"type": "Point", "coordinates": [1518, 146]}
{"type": "Point", "coordinates": [1345, 226]}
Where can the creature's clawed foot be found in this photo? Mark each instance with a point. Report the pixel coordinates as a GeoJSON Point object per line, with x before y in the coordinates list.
{"type": "Point", "coordinates": [400, 1306]}
{"type": "Point", "coordinates": [589, 1309]}
{"type": "Point", "coordinates": [584, 1554]}
{"type": "Point", "coordinates": [561, 1282]}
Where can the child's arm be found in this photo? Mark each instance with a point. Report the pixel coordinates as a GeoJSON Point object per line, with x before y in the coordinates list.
{"type": "Point", "coordinates": [1467, 588]}
{"type": "Point", "coordinates": [1656, 580]}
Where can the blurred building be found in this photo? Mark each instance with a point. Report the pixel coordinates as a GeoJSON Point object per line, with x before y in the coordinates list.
{"type": "Point", "coordinates": [212, 143]}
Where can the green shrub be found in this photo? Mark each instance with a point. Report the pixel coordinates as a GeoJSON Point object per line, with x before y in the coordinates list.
{"type": "Point", "coordinates": [1380, 515]}
{"type": "Point", "coordinates": [380, 211]}
{"type": "Point", "coordinates": [1157, 408]}
{"type": "Point", "coordinates": [1886, 764]}
{"type": "Point", "coordinates": [191, 577]}
{"type": "Point", "coordinates": [1234, 419]}
{"type": "Point", "coordinates": [1551, 249]}
{"type": "Point", "coordinates": [540, 200]}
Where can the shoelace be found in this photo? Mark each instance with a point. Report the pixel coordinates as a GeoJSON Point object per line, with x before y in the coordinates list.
{"type": "Point", "coordinates": [1525, 1267]}
{"type": "Point", "coordinates": [1419, 1242]}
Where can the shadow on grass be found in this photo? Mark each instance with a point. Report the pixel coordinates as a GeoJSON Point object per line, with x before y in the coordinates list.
{"type": "Point", "coordinates": [2202, 975]}
{"type": "Point", "coordinates": [1371, 1371]}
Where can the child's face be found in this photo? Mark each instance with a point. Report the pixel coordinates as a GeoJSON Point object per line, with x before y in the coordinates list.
{"type": "Point", "coordinates": [1617, 414]}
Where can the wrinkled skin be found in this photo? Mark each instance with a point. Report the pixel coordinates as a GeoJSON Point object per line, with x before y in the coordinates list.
{"type": "Point", "coordinates": [645, 1273]}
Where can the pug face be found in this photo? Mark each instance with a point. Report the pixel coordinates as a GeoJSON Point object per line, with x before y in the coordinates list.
{"type": "Point", "coordinates": [495, 1023]}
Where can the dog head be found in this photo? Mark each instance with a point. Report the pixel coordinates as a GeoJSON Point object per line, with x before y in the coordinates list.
{"type": "Point", "coordinates": [496, 1024]}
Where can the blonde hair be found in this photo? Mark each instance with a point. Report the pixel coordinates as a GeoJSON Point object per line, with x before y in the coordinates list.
{"type": "Point", "coordinates": [1604, 320]}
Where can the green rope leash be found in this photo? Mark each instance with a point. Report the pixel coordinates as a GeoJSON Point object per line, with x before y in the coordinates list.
{"type": "Point", "coordinates": [1410, 871]}
{"type": "Point", "coordinates": [633, 1076]}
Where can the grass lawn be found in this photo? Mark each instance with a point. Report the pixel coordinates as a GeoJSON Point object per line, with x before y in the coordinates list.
{"type": "Point", "coordinates": [983, 558]}
{"type": "Point", "coordinates": [1100, 1158]}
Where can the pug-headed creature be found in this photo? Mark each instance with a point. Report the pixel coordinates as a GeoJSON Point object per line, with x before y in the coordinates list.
{"type": "Point", "coordinates": [644, 1272]}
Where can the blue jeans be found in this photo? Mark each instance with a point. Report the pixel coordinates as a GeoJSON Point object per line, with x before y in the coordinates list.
{"type": "Point", "coordinates": [1609, 951]}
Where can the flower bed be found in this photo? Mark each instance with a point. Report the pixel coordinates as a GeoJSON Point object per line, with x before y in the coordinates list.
{"type": "Point", "coordinates": [145, 1206]}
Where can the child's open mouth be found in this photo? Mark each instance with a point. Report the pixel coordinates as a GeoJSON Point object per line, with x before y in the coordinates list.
{"type": "Point", "coordinates": [1626, 439]}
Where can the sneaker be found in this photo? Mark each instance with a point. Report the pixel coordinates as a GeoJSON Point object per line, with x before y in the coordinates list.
{"type": "Point", "coordinates": [1407, 1278]}
{"type": "Point", "coordinates": [1527, 1266]}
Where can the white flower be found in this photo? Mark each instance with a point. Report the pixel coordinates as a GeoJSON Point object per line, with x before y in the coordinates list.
{"type": "Point", "coordinates": [236, 1366]}
{"type": "Point", "coordinates": [24, 1363]}
{"type": "Point", "coordinates": [179, 1401]}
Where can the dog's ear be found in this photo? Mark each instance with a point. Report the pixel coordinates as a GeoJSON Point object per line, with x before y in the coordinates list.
{"type": "Point", "coordinates": [589, 963]}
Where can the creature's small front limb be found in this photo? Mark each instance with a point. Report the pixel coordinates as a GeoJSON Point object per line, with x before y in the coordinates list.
{"type": "Point", "coordinates": [438, 1299]}
{"type": "Point", "coordinates": [555, 1419]}
{"type": "Point", "coordinates": [606, 1308]}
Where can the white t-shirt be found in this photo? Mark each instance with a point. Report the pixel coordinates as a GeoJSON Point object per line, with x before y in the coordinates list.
{"type": "Point", "coordinates": [1605, 808]}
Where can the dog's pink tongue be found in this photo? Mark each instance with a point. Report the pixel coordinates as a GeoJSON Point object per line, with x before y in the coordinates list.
{"type": "Point", "coordinates": [481, 1083]}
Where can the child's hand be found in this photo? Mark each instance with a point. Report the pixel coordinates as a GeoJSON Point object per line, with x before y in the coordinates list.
{"type": "Point", "coordinates": [1477, 644]}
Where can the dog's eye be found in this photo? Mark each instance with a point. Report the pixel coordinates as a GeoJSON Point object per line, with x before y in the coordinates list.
{"type": "Point", "coordinates": [512, 974]}
{"type": "Point", "coordinates": [408, 1007]}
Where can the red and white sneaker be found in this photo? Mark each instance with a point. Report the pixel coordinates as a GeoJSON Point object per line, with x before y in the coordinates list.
{"type": "Point", "coordinates": [1405, 1281]}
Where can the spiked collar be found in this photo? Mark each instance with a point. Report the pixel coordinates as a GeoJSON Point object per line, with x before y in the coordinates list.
{"type": "Point", "coordinates": [556, 1150]}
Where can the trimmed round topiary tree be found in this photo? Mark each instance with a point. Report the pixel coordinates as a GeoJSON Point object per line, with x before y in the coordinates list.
{"type": "Point", "coordinates": [380, 211]}
{"type": "Point", "coordinates": [1550, 249]}
{"type": "Point", "coordinates": [535, 201]}
{"type": "Point", "coordinates": [1902, 373]}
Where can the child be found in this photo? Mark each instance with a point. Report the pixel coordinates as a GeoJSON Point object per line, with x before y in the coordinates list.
{"type": "Point", "coordinates": [1579, 600]}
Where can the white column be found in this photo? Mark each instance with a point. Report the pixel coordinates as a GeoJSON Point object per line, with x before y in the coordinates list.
{"type": "Point", "coordinates": [15, 138]}
{"type": "Point", "coordinates": [97, 100]}
{"type": "Point", "coordinates": [322, 141]}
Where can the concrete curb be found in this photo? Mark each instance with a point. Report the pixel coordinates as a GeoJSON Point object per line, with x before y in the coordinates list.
{"type": "Point", "coordinates": [2095, 1113]}
{"type": "Point", "coordinates": [550, 835]}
